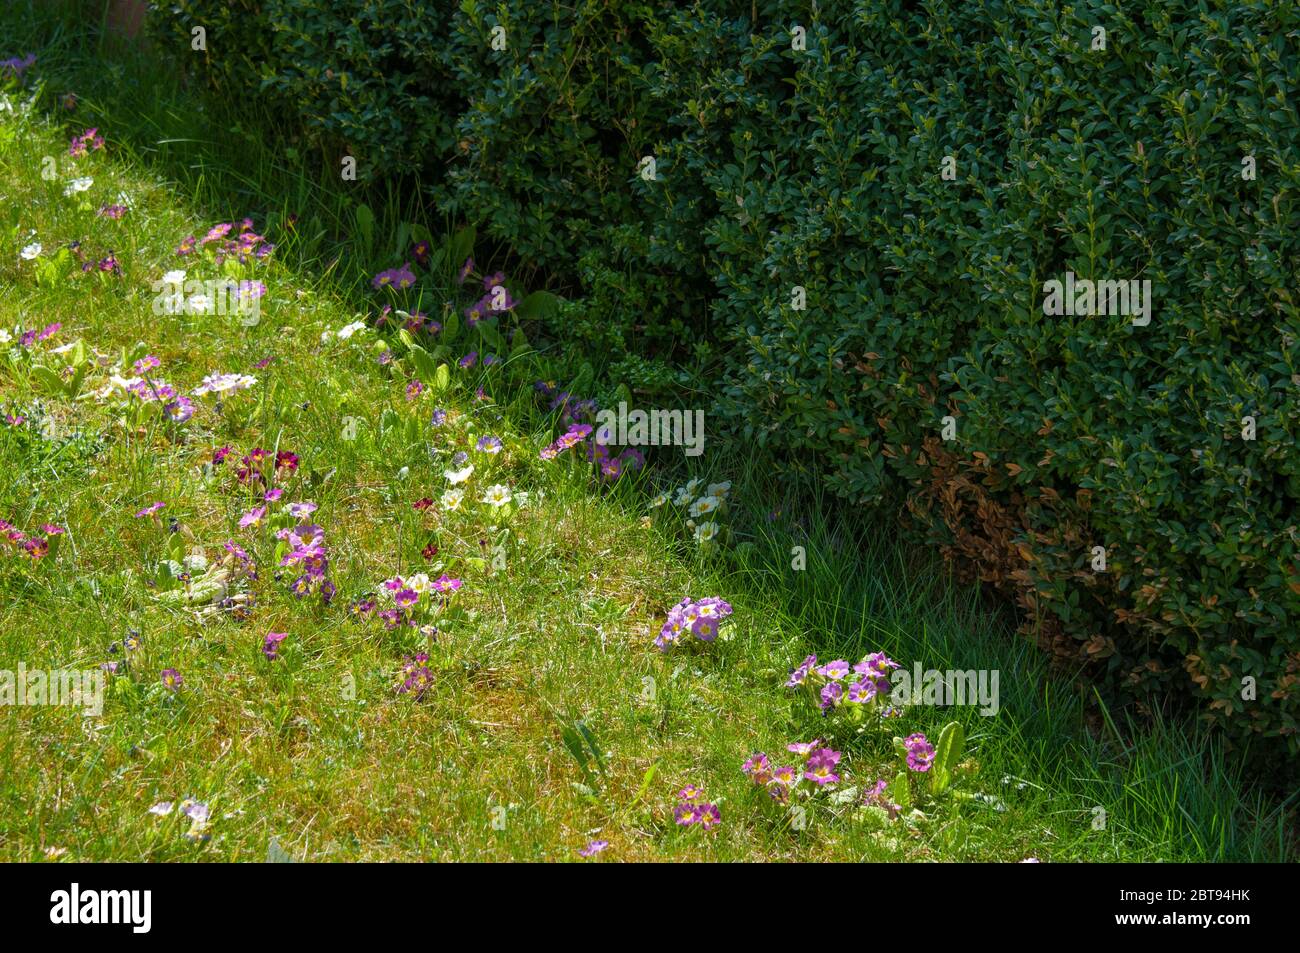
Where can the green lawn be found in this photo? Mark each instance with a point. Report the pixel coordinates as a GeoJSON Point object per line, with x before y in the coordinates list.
{"type": "Point", "coordinates": [551, 720]}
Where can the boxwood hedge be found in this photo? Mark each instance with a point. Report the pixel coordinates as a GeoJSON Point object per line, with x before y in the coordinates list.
{"type": "Point", "coordinates": [858, 206]}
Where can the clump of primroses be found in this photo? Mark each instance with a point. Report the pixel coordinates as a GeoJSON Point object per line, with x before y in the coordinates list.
{"type": "Point", "coordinates": [222, 246]}
{"type": "Point", "coordinates": [693, 810]}
{"type": "Point", "coordinates": [34, 547]}
{"type": "Point", "coordinates": [89, 141]}
{"type": "Point", "coordinates": [302, 549]}
{"type": "Point", "coordinates": [414, 600]}
{"type": "Point", "coordinates": [705, 508]}
{"type": "Point", "coordinates": [859, 691]}
{"type": "Point", "coordinates": [415, 677]}
{"type": "Point", "coordinates": [578, 415]}
{"type": "Point", "coordinates": [920, 753]}
{"type": "Point", "coordinates": [701, 619]}
{"type": "Point", "coordinates": [812, 762]}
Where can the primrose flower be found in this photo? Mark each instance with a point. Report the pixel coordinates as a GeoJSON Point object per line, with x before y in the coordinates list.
{"type": "Point", "coordinates": [489, 444]}
{"type": "Point", "coordinates": [708, 816]}
{"type": "Point", "coordinates": [302, 510]}
{"type": "Point", "coordinates": [862, 691]}
{"type": "Point", "coordinates": [834, 670]}
{"type": "Point", "coordinates": [271, 644]}
{"type": "Point", "coordinates": [179, 410]}
{"type": "Point", "coordinates": [820, 767]}
{"type": "Point", "coordinates": [701, 618]}
{"type": "Point", "coordinates": [150, 510]}
{"type": "Point", "coordinates": [706, 532]}
{"type": "Point", "coordinates": [830, 695]}
{"type": "Point", "coordinates": [348, 330]}
{"type": "Point", "coordinates": [758, 768]}
{"type": "Point", "coordinates": [30, 251]}
{"type": "Point", "coordinates": [800, 673]}
{"type": "Point", "coordinates": [417, 677]}
{"type": "Point", "coordinates": [875, 796]}
{"type": "Point", "coordinates": [704, 505]}
{"type": "Point", "coordinates": [877, 663]}
{"type": "Point", "coordinates": [594, 848]}
{"type": "Point", "coordinates": [225, 384]}
{"type": "Point", "coordinates": [78, 185]}
{"type": "Point", "coordinates": [451, 499]}
{"type": "Point", "coordinates": [920, 753]}
{"type": "Point", "coordinates": [171, 679]}
{"type": "Point", "coordinates": [253, 517]}
{"type": "Point", "coordinates": [786, 776]}
{"type": "Point", "coordinates": [461, 475]}
{"type": "Point", "coordinates": [803, 748]}
{"type": "Point", "coordinates": [498, 495]}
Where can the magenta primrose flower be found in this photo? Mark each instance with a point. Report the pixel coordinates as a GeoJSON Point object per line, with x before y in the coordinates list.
{"type": "Point", "coordinates": [820, 767]}
{"type": "Point", "coordinates": [271, 644]}
{"type": "Point", "coordinates": [920, 753]}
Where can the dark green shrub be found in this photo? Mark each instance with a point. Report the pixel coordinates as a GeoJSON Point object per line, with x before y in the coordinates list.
{"type": "Point", "coordinates": [536, 143]}
{"type": "Point", "coordinates": [821, 168]}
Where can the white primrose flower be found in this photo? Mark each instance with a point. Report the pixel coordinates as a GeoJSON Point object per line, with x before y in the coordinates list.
{"type": "Point", "coordinates": [706, 532]}
{"type": "Point", "coordinates": [461, 475]}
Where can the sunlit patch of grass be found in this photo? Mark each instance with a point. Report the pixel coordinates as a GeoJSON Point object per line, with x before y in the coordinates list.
{"type": "Point", "coordinates": [316, 750]}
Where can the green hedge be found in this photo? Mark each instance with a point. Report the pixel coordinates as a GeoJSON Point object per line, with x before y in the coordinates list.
{"type": "Point", "coordinates": [821, 168]}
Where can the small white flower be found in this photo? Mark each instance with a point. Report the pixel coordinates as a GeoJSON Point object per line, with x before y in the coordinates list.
{"type": "Point", "coordinates": [498, 495]}
{"type": "Point", "coordinates": [705, 532]}
{"type": "Point", "coordinates": [162, 808]}
{"type": "Point", "coordinates": [683, 497]}
{"type": "Point", "coordinates": [199, 304]}
{"type": "Point", "coordinates": [5, 336]}
{"type": "Point", "coordinates": [692, 486]}
{"type": "Point", "coordinates": [176, 277]}
{"type": "Point", "coordinates": [720, 490]}
{"type": "Point", "coordinates": [30, 251]}
{"type": "Point", "coordinates": [420, 583]}
{"type": "Point", "coordinates": [79, 185]}
{"type": "Point", "coordinates": [348, 330]}
{"type": "Point", "coordinates": [65, 348]}
{"type": "Point", "coordinates": [659, 501]}
{"type": "Point", "coordinates": [460, 476]}
{"type": "Point", "coordinates": [704, 505]}
{"type": "Point", "coordinates": [451, 499]}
